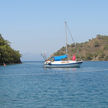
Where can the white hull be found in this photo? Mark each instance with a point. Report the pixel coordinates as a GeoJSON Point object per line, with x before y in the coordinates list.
{"type": "Point", "coordinates": [62, 64]}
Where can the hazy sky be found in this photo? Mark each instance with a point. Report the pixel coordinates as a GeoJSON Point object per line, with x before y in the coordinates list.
{"type": "Point", "coordinates": [35, 26]}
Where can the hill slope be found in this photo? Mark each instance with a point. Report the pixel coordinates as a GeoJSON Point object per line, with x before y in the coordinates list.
{"type": "Point", "coordinates": [7, 54]}
{"type": "Point", "coordinates": [95, 49]}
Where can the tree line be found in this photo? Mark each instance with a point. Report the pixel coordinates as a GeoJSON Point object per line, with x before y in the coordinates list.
{"type": "Point", "coordinates": [95, 49]}
{"type": "Point", "coordinates": [7, 54]}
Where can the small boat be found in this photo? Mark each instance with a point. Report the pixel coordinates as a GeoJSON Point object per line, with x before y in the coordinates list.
{"type": "Point", "coordinates": [59, 62]}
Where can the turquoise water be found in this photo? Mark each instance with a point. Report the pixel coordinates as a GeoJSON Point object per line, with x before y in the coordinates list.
{"type": "Point", "coordinates": [29, 85]}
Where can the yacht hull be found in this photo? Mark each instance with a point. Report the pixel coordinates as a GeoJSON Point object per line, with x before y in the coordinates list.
{"type": "Point", "coordinates": [63, 65]}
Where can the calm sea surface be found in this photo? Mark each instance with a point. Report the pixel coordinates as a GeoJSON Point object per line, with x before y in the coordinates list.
{"type": "Point", "coordinates": [29, 85]}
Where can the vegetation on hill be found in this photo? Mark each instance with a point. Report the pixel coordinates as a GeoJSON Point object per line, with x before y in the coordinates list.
{"type": "Point", "coordinates": [7, 54]}
{"type": "Point", "coordinates": [95, 49]}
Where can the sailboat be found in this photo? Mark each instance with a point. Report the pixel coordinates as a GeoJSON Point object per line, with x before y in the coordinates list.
{"type": "Point", "coordinates": [59, 62]}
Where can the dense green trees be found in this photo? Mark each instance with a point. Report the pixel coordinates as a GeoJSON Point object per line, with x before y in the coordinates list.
{"type": "Point", "coordinates": [7, 54]}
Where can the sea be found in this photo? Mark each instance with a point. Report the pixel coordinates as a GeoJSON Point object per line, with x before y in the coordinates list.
{"type": "Point", "coordinates": [30, 85]}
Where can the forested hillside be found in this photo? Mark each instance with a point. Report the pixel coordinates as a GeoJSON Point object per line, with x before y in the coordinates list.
{"type": "Point", "coordinates": [7, 54]}
{"type": "Point", "coordinates": [95, 49]}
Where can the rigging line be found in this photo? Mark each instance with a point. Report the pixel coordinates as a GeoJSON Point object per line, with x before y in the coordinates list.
{"type": "Point", "coordinates": [73, 41]}
{"type": "Point", "coordinates": [44, 56]}
{"type": "Point", "coordinates": [70, 34]}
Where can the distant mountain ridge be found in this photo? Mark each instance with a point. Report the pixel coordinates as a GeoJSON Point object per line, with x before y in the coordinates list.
{"type": "Point", "coordinates": [95, 49]}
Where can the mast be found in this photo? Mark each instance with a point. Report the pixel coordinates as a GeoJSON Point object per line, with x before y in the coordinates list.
{"type": "Point", "coordinates": [66, 37]}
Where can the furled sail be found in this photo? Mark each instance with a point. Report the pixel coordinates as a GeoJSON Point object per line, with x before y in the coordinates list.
{"type": "Point", "coordinates": [58, 58]}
